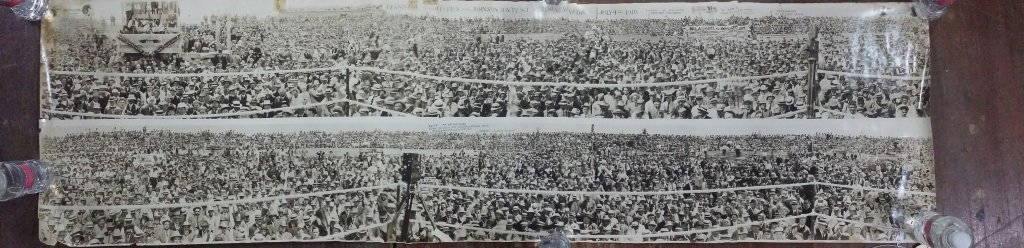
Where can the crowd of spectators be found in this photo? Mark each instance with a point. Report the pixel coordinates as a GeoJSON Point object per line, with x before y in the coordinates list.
{"type": "Point", "coordinates": [869, 220]}
{"type": "Point", "coordinates": [632, 163]}
{"type": "Point", "coordinates": [624, 216]}
{"type": "Point", "coordinates": [609, 52]}
{"type": "Point", "coordinates": [181, 168]}
{"type": "Point", "coordinates": [150, 17]}
{"type": "Point", "coordinates": [349, 216]}
{"type": "Point", "coordinates": [184, 167]}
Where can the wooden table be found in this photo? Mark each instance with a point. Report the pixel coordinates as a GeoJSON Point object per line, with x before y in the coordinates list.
{"type": "Point", "coordinates": [977, 106]}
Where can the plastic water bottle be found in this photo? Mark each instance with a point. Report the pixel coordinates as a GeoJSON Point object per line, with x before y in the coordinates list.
{"type": "Point", "coordinates": [555, 240]}
{"type": "Point", "coordinates": [19, 178]}
{"type": "Point", "coordinates": [936, 230]}
{"type": "Point", "coordinates": [932, 9]}
{"type": "Point", "coordinates": [32, 10]}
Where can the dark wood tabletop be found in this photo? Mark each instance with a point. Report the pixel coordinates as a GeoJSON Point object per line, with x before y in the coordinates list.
{"type": "Point", "coordinates": [977, 108]}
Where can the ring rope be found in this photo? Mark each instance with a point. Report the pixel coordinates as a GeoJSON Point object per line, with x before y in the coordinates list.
{"type": "Point", "coordinates": [893, 191]}
{"type": "Point", "coordinates": [213, 203]}
{"type": "Point", "coordinates": [655, 235]}
{"type": "Point", "coordinates": [847, 74]}
{"type": "Point", "coordinates": [412, 74]}
{"type": "Point", "coordinates": [203, 74]}
{"type": "Point", "coordinates": [481, 81]}
{"type": "Point", "coordinates": [232, 114]}
{"type": "Point", "coordinates": [489, 190]}
{"type": "Point", "coordinates": [577, 85]}
{"type": "Point", "coordinates": [669, 234]}
{"type": "Point", "coordinates": [418, 75]}
{"type": "Point", "coordinates": [342, 234]}
{"type": "Point", "coordinates": [611, 193]}
{"type": "Point", "coordinates": [673, 192]}
{"type": "Point", "coordinates": [611, 236]}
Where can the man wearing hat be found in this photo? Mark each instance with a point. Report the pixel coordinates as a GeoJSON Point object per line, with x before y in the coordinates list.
{"type": "Point", "coordinates": [620, 109]}
{"type": "Point", "coordinates": [788, 102]}
{"type": "Point", "coordinates": [363, 112]}
{"type": "Point", "coordinates": [533, 109]}
{"type": "Point", "coordinates": [436, 108]}
{"type": "Point", "coordinates": [699, 109]}
{"type": "Point", "coordinates": [132, 105]}
{"type": "Point", "coordinates": [873, 106]}
{"type": "Point", "coordinates": [176, 237]}
{"type": "Point", "coordinates": [163, 231]}
{"type": "Point", "coordinates": [596, 109]}
{"type": "Point", "coordinates": [680, 108]}
{"type": "Point", "coordinates": [258, 235]}
{"type": "Point", "coordinates": [496, 110]}
{"type": "Point", "coordinates": [549, 109]}
{"type": "Point", "coordinates": [825, 85]}
{"type": "Point", "coordinates": [652, 109]}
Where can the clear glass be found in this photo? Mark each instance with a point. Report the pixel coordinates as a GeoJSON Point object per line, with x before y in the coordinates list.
{"type": "Point", "coordinates": [555, 240]}
{"type": "Point", "coordinates": [930, 9]}
{"type": "Point", "coordinates": [32, 10]}
{"type": "Point", "coordinates": [21, 178]}
{"type": "Point", "coordinates": [937, 230]}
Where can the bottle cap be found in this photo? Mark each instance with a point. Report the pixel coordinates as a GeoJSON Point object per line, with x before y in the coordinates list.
{"type": "Point", "coordinates": [3, 184]}
{"type": "Point", "coordinates": [10, 3]}
{"type": "Point", "coordinates": [30, 179]}
{"type": "Point", "coordinates": [960, 239]}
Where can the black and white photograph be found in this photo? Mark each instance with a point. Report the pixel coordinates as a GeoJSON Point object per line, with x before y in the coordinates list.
{"type": "Point", "coordinates": [653, 185]}
{"type": "Point", "coordinates": [488, 179]}
{"type": "Point", "coordinates": [154, 186]}
{"type": "Point", "coordinates": [197, 122]}
{"type": "Point", "coordinates": [170, 59]}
